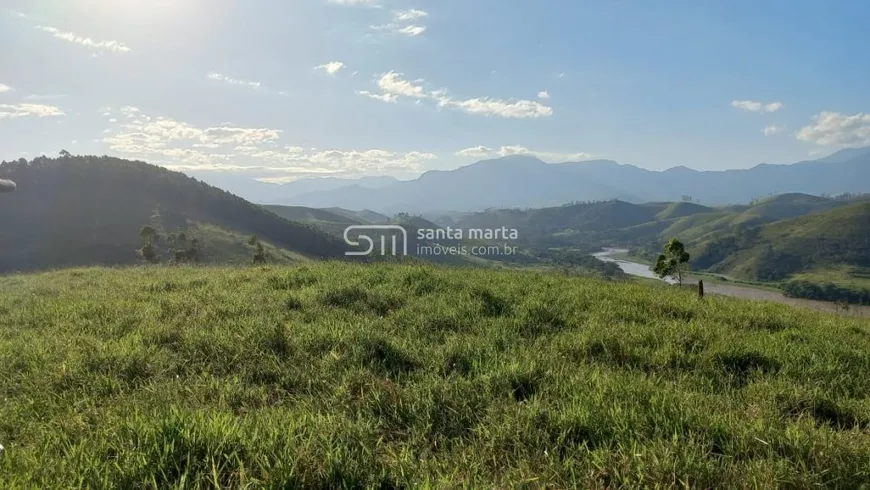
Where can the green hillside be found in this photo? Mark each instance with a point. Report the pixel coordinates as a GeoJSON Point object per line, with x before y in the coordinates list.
{"type": "Point", "coordinates": [791, 205]}
{"type": "Point", "coordinates": [639, 225]}
{"type": "Point", "coordinates": [366, 215]}
{"type": "Point", "coordinates": [573, 224]}
{"type": "Point", "coordinates": [682, 209]}
{"type": "Point", "coordinates": [825, 239]}
{"type": "Point", "coordinates": [328, 221]}
{"type": "Point", "coordinates": [314, 215]}
{"type": "Point", "coordinates": [88, 210]}
{"type": "Point", "coordinates": [336, 375]}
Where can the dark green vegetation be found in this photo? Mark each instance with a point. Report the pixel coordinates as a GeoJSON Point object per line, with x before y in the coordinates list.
{"type": "Point", "coordinates": [674, 262]}
{"type": "Point", "coordinates": [330, 374]}
{"type": "Point", "coordinates": [329, 221]}
{"type": "Point", "coordinates": [772, 240]}
{"type": "Point", "coordinates": [73, 211]}
{"type": "Point", "coordinates": [89, 210]}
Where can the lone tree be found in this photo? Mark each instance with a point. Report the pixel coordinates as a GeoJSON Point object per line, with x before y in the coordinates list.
{"type": "Point", "coordinates": [259, 251]}
{"type": "Point", "coordinates": [149, 250]}
{"type": "Point", "coordinates": [673, 262]}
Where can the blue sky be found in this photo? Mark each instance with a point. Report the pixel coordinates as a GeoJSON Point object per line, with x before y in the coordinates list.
{"type": "Point", "coordinates": [283, 89]}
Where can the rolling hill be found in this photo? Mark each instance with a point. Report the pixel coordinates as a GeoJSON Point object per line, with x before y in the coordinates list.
{"type": "Point", "coordinates": [88, 210]}
{"type": "Point", "coordinates": [338, 375]}
{"type": "Point", "coordinates": [774, 251]}
{"type": "Point", "coordinates": [323, 219]}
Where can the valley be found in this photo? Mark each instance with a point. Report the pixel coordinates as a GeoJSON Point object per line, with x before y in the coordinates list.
{"type": "Point", "coordinates": [714, 284]}
{"type": "Point", "coordinates": [392, 245]}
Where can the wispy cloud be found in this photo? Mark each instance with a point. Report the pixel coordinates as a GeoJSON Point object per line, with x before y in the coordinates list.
{"type": "Point", "coordinates": [412, 30]}
{"type": "Point", "coordinates": [331, 68]}
{"type": "Point", "coordinates": [772, 130]}
{"type": "Point", "coordinates": [548, 156]}
{"type": "Point", "coordinates": [755, 106]}
{"type": "Point", "coordinates": [233, 81]}
{"type": "Point", "coordinates": [110, 46]}
{"type": "Point", "coordinates": [409, 15]}
{"type": "Point", "coordinates": [391, 98]}
{"type": "Point", "coordinates": [402, 23]}
{"type": "Point", "coordinates": [835, 129]}
{"type": "Point", "coordinates": [5, 88]}
{"type": "Point", "coordinates": [393, 87]}
{"type": "Point", "coordinates": [13, 111]}
{"type": "Point", "coordinates": [255, 152]}
{"type": "Point", "coordinates": [544, 95]}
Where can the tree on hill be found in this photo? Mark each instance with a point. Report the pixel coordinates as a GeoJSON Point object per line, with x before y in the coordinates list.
{"type": "Point", "coordinates": [88, 210]}
{"type": "Point", "coordinates": [259, 251]}
{"type": "Point", "coordinates": [183, 249]}
{"type": "Point", "coordinates": [149, 250]}
{"type": "Point", "coordinates": [673, 262]}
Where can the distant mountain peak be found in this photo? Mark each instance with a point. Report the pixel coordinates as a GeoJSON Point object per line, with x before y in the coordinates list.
{"type": "Point", "coordinates": [846, 154]}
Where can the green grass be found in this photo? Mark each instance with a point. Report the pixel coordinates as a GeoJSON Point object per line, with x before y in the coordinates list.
{"type": "Point", "coordinates": [225, 247]}
{"type": "Point", "coordinates": [331, 375]}
{"type": "Point", "coordinates": [845, 276]}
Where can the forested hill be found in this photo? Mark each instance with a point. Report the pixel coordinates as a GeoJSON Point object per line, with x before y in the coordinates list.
{"type": "Point", "coordinates": [83, 210]}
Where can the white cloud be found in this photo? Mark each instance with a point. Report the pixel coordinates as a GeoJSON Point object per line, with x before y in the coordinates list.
{"type": "Point", "coordinates": [835, 129]}
{"type": "Point", "coordinates": [403, 23]}
{"type": "Point", "coordinates": [233, 81]}
{"type": "Point", "coordinates": [331, 68]}
{"type": "Point", "coordinates": [382, 97]}
{"type": "Point", "coordinates": [772, 129]}
{"type": "Point", "coordinates": [548, 156]}
{"type": "Point", "coordinates": [111, 46]}
{"type": "Point", "coordinates": [141, 132]}
{"type": "Point", "coordinates": [755, 106]}
{"type": "Point", "coordinates": [544, 95]}
{"type": "Point", "coordinates": [239, 136]}
{"type": "Point", "coordinates": [393, 83]}
{"type": "Point", "coordinates": [393, 86]}
{"type": "Point", "coordinates": [409, 15]}
{"type": "Point", "coordinates": [8, 111]}
{"type": "Point", "coordinates": [519, 109]}
{"type": "Point", "coordinates": [4, 88]}
{"type": "Point", "coordinates": [412, 30]}
{"type": "Point", "coordinates": [254, 151]}
{"type": "Point", "coordinates": [476, 152]}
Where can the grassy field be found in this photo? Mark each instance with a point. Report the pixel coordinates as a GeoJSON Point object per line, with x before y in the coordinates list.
{"type": "Point", "coordinates": [329, 375]}
{"type": "Point", "coordinates": [845, 276]}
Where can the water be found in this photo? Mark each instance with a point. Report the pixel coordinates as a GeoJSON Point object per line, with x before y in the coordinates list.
{"type": "Point", "coordinates": [632, 268]}
{"type": "Point", "coordinates": [733, 290]}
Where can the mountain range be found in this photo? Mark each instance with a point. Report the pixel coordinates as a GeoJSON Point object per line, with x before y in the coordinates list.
{"type": "Point", "coordinates": [527, 182]}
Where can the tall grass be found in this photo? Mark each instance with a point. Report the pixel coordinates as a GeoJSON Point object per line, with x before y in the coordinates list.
{"type": "Point", "coordinates": [332, 375]}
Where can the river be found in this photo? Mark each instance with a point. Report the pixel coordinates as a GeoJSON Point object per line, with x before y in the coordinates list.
{"type": "Point", "coordinates": [733, 290]}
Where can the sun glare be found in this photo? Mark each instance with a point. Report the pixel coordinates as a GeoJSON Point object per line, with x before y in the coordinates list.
{"type": "Point", "coordinates": [143, 11]}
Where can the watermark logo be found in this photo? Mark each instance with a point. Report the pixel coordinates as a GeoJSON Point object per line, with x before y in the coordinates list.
{"type": "Point", "coordinates": [430, 241]}
{"type": "Point", "coordinates": [383, 231]}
